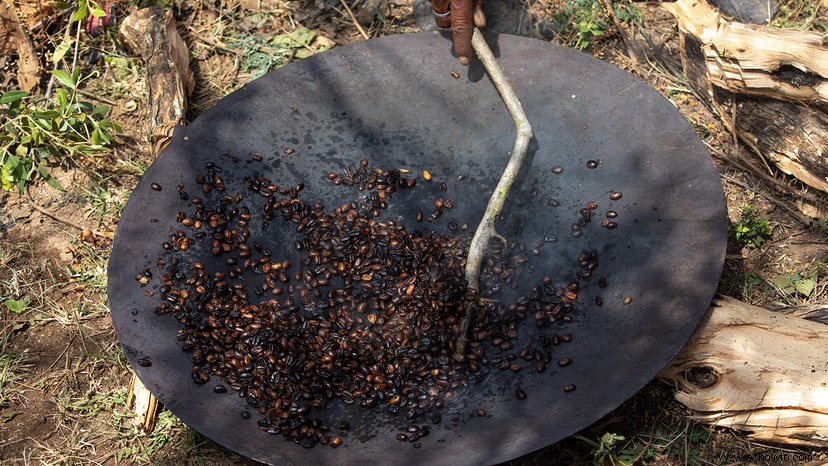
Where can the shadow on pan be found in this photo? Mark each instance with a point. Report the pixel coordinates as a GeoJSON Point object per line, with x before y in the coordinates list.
{"type": "Point", "coordinates": [394, 102]}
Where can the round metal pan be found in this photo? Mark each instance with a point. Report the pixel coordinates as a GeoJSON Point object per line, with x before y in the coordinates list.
{"type": "Point", "coordinates": [395, 102]}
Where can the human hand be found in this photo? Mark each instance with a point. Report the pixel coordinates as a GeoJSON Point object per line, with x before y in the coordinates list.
{"type": "Point", "coordinates": [462, 16]}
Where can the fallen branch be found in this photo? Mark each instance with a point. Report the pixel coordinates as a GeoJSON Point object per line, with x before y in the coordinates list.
{"type": "Point", "coordinates": [151, 32]}
{"type": "Point", "coordinates": [768, 85]}
{"type": "Point", "coordinates": [28, 68]}
{"type": "Point", "coordinates": [486, 229]}
{"type": "Point", "coordinates": [757, 371]}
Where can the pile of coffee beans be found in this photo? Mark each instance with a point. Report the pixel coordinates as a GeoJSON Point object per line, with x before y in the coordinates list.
{"type": "Point", "coordinates": [370, 316]}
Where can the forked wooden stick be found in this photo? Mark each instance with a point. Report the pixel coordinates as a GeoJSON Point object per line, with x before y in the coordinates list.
{"type": "Point", "coordinates": [486, 229]}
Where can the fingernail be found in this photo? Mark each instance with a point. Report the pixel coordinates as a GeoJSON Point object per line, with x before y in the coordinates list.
{"type": "Point", "coordinates": [464, 61]}
{"type": "Point", "coordinates": [479, 19]}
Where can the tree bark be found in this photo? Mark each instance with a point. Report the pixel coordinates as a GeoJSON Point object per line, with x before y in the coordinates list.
{"type": "Point", "coordinates": [759, 371]}
{"type": "Point", "coordinates": [152, 33]}
{"type": "Point", "coordinates": [776, 80]}
{"type": "Point", "coordinates": [28, 65]}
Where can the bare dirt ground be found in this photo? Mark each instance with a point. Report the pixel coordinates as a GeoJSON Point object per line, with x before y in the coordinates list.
{"type": "Point", "coordinates": [63, 377]}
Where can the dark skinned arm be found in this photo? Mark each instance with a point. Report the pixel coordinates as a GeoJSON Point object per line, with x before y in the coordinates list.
{"type": "Point", "coordinates": [463, 16]}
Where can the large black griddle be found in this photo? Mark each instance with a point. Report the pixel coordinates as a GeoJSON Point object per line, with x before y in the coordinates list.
{"type": "Point", "coordinates": [394, 102]}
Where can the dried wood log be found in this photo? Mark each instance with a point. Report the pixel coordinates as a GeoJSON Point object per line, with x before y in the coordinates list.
{"type": "Point", "coordinates": [758, 371]}
{"type": "Point", "coordinates": [28, 65]}
{"type": "Point", "coordinates": [143, 403]}
{"type": "Point", "coordinates": [152, 33]}
{"type": "Point", "coordinates": [777, 80]}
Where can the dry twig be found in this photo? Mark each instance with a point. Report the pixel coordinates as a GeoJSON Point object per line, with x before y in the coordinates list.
{"type": "Point", "coordinates": [486, 229]}
{"type": "Point", "coordinates": [353, 18]}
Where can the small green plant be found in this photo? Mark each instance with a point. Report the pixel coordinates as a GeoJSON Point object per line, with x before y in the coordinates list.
{"type": "Point", "coordinates": [751, 230]}
{"type": "Point", "coordinates": [259, 55]}
{"type": "Point", "coordinates": [37, 134]}
{"type": "Point", "coordinates": [823, 224]}
{"type": "Point", "coordinates": [603, 449]}
{"type": "Point", "coordinates": [796, 283]}
{"type": "Point", "coordinates": [590, 20]}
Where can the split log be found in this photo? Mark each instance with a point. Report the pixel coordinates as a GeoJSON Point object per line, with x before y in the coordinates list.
{"type": "Point", "coordinates": [144, 404]}
{"type": "Point", "coordinates": [28, 65]}
{"type": "Point", "coordinates": [776, 79]}
{"type": "Point", "coordinates": [152, 33]}
{"type": "Point", "coordinates": [759, 371]}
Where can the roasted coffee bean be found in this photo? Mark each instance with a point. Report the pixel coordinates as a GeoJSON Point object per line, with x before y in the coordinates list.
{"type": "Point", "coordinates": [520, 394]}
{"type": "Point", "coordinates": [220, 389]}
{"type": "Point", "coordinates": [599, 301]}
{"type": "Point", "coordinates": [615, 195]}
{"type": "Point", "coordinates": [370, 314]}
{"type": "Point", "coordinates": [156, 187]}
{"type": "Point", "coordinates": [611, 214]}
{"type": "Point", "coordinates": [480, 413]}
{"type": "Point", "coordinates": [569, 388]}
{"type": "Point", "coordinates": [592, 164]}
{"type": "Point", "coordinates": [245, 414]}
{"type": "Point", "coordinates": [557, 169]}
{"type": "Point", "coordinates": [563, 362]}
{"type": "Point", "coordinates": [144, 362]}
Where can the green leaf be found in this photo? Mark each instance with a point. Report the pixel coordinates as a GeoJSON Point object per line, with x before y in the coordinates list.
{"type": "Point", "coordinates": [85, 106]}
{"type": "Point", "coordinates": [12, 96]}
{"type": "Point", "coordinates": [46, 114]}
{"type": "Point", "coordinates": [64, 78]}
{"type": "Point", "coordinates": [49, 178]}
{"type": "Point", "coordinates": [17, 306]}
{"type": "Point", "coordinates": [63, 99]}
{"type": "Point", "coordinates": [805, 287]}
{"type": "Point", "coordinates": [83, 9]}
{"type": "Point", "coordinates": [101, 110]}
{"type": "Point", "coordinates": [784, 283]}
{"type": "Point", "coordinates": [60, 51]}
{"type": "Point", "coordinates": [97, 11]}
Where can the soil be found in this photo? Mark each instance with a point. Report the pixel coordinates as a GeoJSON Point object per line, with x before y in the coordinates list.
{"type": "Point", "coordinates": [66, 404]}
